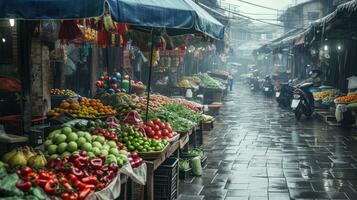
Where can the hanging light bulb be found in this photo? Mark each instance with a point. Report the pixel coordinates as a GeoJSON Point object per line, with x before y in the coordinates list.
{"type": "Point", "coordinates": [326, 48]}
{"type": "Point", "coordinates": [339, 47]}
{"type": "Point", "coordinates": [12, 22]}
{"type": "Point", "coordinates": [3, 40]}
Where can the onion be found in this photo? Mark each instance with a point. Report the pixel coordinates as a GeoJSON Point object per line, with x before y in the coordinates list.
{"type": "Point", "coordinates": [8, 155]}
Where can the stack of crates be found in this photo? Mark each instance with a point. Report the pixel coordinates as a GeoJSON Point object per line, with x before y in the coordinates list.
{"type": "Point", "coordinates": [166, 180]}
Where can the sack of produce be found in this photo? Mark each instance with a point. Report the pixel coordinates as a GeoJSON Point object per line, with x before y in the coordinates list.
{"type": "Point", "coordinates": [196, 166]}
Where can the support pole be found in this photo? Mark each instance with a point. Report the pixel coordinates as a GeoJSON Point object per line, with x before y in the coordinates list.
{"type": "Point", "coordinates": [150, 72]}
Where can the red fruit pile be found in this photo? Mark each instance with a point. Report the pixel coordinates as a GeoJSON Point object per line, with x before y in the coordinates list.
{"type": "Point", "coordinates": [73, 177]}
{"type": "Point", "coordinates": [158, 130]}
{"type": "Point", "coordinates": [135, 160]}
{"type": "Point", "coordinates": [108, 135]}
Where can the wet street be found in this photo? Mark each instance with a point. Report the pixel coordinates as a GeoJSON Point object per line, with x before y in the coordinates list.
{"type": "Point", "coordinates": [258, 151]}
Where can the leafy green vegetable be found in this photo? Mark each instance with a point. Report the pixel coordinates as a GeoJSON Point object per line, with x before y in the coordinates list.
{"type": "Point", "coordinates": [209, 82]}
{"type": "Point", "coordinates": [8, 186]}
{"type": "Point", "coordinates": [184, 165]}
{"type": "Point", "coordinates": [184, 112]}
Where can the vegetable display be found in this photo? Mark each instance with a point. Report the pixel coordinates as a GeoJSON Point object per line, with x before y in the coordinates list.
{"type": "Point", "coordinates": [209, 82]}
{"type": "Point", "coordinates": [178, 124]}
{"type": "Point", "coordinates": [156, 101]}
{"type": "Point", "coordinates": [184, 165]}
{"type": "Point", "coordinates": [183, 112]}
{"type": "Point", "coordinates": [121, 102]}
{"type": "Point", "coordinates": [189, 104]}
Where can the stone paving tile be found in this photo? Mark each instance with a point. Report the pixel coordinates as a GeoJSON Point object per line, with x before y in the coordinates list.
{"type": "Point", "coordinates": [258, 150]}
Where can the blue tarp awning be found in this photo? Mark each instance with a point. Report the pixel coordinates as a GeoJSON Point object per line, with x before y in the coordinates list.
{"type": "Point", "coordinates": [51, 9]}
{"type": "Point", "coordinates": [178, 16]}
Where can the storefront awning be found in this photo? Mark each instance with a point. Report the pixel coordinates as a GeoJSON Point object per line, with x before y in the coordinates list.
{"type": "Point", "coordinates": [51, 9]}
{"type": "Point", "coordinates": [185, 16]}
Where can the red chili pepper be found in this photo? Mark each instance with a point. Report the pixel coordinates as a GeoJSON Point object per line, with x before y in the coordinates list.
{"type": "Point", "coordinates": [80, 185]}
{"type": "Point", "coordinates": [84, 193]}
{"type": "Point", "coordinates": [92, 187]}
{"type": "Point", "coordinates": [74, 196]}
{"type": "Point", "coordinates": [24, 186]}
{"type": "Point", "coordinates": [41, 182]}
{"type": "Point", "coordinates": [102, 157]}
{"type": "Point", "coordinates": [113, 167]}
{"type": "Point", "coordinates": [73, 157]}
{"type": "Point", "coordinates": [73, 178]}
{"type": "Point", "coordinates": [96, 163]}
{"type": "Point", "coordinates": [90, 180]}
{"type": "Point", "coordinates": [45, 175]}
{"type": "Point", "coordinates": [51, 186]}
{"type": "Point", "coordinates": [63, 180]}
{"type": "Point", "coordinates": [100, 186]}
{"type": "Point", "coordinates": [25, 171]}
{"type": "Point", "coordinates": [65, 196]}
{"type": "Point", "coordinates": [67, 186]}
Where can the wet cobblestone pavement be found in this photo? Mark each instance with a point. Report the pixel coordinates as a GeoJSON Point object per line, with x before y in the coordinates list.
{"type": "Point", "coordinates": [258, 151]}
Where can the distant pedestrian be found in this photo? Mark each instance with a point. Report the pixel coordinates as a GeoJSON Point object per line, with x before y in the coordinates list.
{"type": "Point", "coordinates": [230, 82]}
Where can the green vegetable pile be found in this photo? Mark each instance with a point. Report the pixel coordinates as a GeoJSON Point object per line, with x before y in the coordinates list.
{"type": "Point", "coordinates": [192, 153]}
{"type": "Point", "coordinates": [184, 165]}
{"type": "Point", "coordinates": [178, 123]}
{"type": "Point", "coordinates": [209, 82]}
{"type": "Point", "coordinates": [9, 191]}
{"type": "Point", "coordinates": [184, 112]}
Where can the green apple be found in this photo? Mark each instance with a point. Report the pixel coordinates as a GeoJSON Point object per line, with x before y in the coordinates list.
{"type": "Point", "coordinates": [72, 146]}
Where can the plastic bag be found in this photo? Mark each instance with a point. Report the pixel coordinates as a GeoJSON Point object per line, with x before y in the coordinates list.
{"type": "Point", "coordinates": [196, 166]}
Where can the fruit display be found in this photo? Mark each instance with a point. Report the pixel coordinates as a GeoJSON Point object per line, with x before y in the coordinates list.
{"type": "Point", "coordinates": [135, 160]}
{"type": "Point", "coordinates": [66, 92]}
{"type": "Point", "coordinates": [107, 134]}
{"type": "Point", "coordinates": [325, 94]}
{"type": "Point", "coordinates": [183, 112]}
{"type": "Point", "coordinates": [158, 130]}
{"type": "Point", "coordinates": [207, 118]}
{"type": "Point", "coordinates": [65, 142]}
{"type": "Point", "coordinates": [209, 82]}
{"type": "Point", "coordinates": [156, 101]}
{"type": "Point", "coordinates": [108, 84]}
{"type": "Point", "coordinates": [352, 106]}
{"type": "Point", "coordinates": [134, 140]}
{"type": "Point", "coordinates": [189, 82]}
{"type": "Point", "coordinates": [84, 108]}
{"type": "Point", "coordinates": [189, 104]}
{"type": "Point", "coordinates": [138, 88]}
{"type": "Point", "coordinates": [347, 99]}
{"type": "Point", "coordinates": [24, 156]}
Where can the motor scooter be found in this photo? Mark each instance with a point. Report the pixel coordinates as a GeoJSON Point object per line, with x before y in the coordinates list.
{"type": "Point", "coordinates": [268, 87]}
{"type": "Point", "coordinates": [285, 94]}
{"type": "Point", "coordinates": [303, 101]}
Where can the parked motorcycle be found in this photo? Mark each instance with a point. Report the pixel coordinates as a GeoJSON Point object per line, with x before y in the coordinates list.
{"type": "Point", "coordinates": [267, 86]}
{"type": "Point", "coordinates": [303, 101]}
{"type": "Point", "coordinates": [254, 84]}
{"type": "Point", "coordinates": [285, 94]}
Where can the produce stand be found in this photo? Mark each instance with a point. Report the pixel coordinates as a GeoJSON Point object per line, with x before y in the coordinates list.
{"type": "Point", "coordinates": [212, 95]}
{"type": "Point", "coordinates": [152, 165]}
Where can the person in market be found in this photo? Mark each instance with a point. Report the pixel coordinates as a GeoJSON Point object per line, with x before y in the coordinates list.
{"type": "Point", "coordinates": [137, 60]}
{"type": "Point", "coordinates": [230, 81]}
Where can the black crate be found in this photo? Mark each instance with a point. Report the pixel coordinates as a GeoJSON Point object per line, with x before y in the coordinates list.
{"type": "Point", "coordinates": [185, 174]}
{"type": "Point", "coordinates": [165, 180]}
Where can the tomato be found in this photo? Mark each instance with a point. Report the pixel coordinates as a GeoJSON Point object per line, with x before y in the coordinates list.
{"type": "Point", "coordinates": [156, 128]}
{"type": "Point", "coordinates": [158, 133]}
{"type": "Point", "coordinates": [168, 127]}
{"type": "Point", "coordinates": [170, 135]}
{"type": "Point", "coordinates": [162, 126]}
{"type": "Point", "coordinates": [156, 137]}
{"type": "Point", "coordinates": [148, 128]}
{"type": "Point", "coordinates": [165, 132]}
{"type": "Point", "coordinates": [151, 133]}
{"type": "Point", "coordinates": [165, 138]}
{"type": "Point", "coordinates": [150, 123]}
{"type": "Point", "coordinates": [157, 121]}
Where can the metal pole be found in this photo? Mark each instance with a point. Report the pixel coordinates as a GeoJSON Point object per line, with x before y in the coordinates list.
{"type": "Point", "coordinates": [150, 72]}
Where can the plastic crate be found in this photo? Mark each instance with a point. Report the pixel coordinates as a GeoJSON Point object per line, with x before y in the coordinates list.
{"type": "Point", "coordinates": [184, 175]}
{"type": "Point", "coordinates": [165, 180]}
